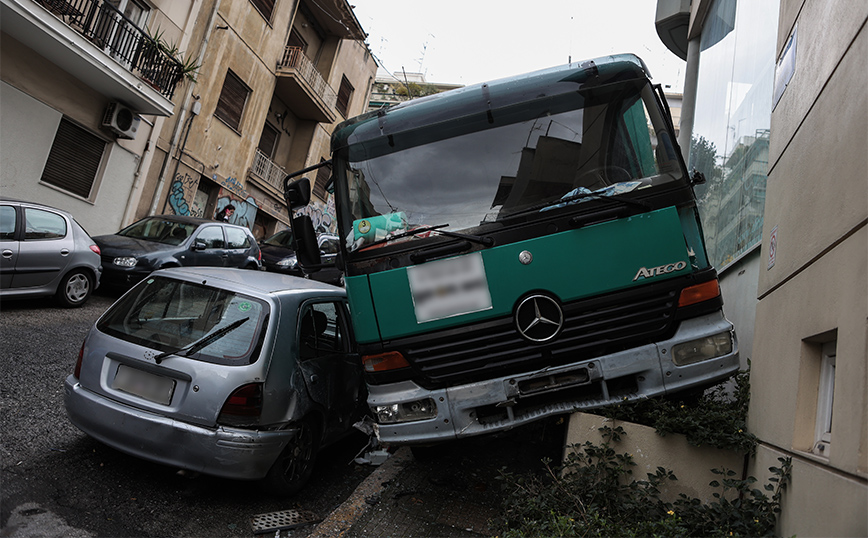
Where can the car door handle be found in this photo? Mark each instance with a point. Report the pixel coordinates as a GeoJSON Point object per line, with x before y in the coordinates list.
{"type": "Point", "coordinates": [64, 251]}
{"type": "Point", "coordinates": [7, 253]}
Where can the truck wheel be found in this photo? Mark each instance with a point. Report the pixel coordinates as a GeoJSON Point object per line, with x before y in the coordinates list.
{"type": "Point", "coordinates": [293, 467]}
{"type": "Point", "coordinates": [74, 289]}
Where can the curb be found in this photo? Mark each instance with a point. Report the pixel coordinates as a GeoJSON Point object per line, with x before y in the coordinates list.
{"type": "Point", "coordinates": [345, 516]}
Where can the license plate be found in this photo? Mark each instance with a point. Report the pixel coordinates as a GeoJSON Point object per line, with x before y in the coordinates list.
{"type": "Point", "coordinates": [154, 388]}
{"type": "Point", "coordinates": [451, 287]}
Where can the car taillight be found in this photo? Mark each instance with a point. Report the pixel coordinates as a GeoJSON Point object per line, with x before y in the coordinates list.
{"type": "Point", "coordinates": [96, 249]}
{"type": "Point", "coordinates": [77, 372]}
{"type": "Point", "coordinates": [244, 403]}
{"type": "Point", "coordinates": [384, 361]}
{"type": "Point", "coordinates": [699, 292]}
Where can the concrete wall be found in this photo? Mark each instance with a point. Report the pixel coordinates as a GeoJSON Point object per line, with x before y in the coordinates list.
{"type": "Point", "coordinates": [817, 289]}
{"type": "Point", "coordinates": [26, 135]}
{"type": "Point", "coordinates": [691, 465]}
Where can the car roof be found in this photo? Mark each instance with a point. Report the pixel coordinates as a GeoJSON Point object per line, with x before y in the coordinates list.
{"type": "Point", "coordinates": [184, 219]}
{"type": "Point", "coordinates": [261, 281]}
{"type": "Point", "coordinates": [35, 204]}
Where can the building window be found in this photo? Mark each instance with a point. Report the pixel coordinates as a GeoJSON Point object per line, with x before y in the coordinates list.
{"type": "Point", "coordinates": [233, 97]}
{"type": "Point", "coordinates": [268, 140]}
{"type": "Point", "coordinates": [265, 7]}
{"type": "Point", "coordinates": [825, 399]}
{"type": "Point", "coordinates": [344, 96]}
{"type": "Point", "coordinates": [322, 177]}
{"type": "Point", "coordinates": [74, 159]}
{"type": "Point", "coordinates": [295, 40]}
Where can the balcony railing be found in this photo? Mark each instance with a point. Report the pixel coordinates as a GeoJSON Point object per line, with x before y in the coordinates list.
{"type": "Point", "coordinates": [266, 169]}
{"type": "Point", "coordinates": [120, 38]}
{"type": "Point", "coordinates": [294, 58]}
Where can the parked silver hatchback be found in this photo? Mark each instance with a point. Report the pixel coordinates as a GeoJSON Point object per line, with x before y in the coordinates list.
{"type": "Point", "coordinates": [46, 252]}
{"type": "Point", "coordinates": [233, 373]}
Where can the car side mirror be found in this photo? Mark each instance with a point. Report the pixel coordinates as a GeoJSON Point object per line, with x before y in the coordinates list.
{"type": "Point", "coordinates": [297, 193]}
{"type": "Point", "coordinates": [199, 245]}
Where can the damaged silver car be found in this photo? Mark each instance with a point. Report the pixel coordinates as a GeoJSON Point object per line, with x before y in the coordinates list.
{"type": "Point", "coordinates": [233, 373]}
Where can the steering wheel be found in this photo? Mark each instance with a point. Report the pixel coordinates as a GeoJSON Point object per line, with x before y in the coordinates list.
{"type": "Point", "coordinates": [602, 176]}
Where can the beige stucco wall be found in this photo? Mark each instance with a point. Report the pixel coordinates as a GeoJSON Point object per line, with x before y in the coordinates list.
{"type": "Point", "coordinates": [817, 289]}
{"type": "Point", "coordinates": [691, 465]}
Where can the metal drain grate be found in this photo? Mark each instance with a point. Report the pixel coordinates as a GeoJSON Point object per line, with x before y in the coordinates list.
{"type": "Point", "coordinates": [285, 519]}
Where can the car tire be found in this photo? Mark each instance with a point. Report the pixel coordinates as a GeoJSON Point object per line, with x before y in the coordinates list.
{"type": "Point", "coordinates": [74, 289]}
{"type": "Point", "coordinates": [294, 466]}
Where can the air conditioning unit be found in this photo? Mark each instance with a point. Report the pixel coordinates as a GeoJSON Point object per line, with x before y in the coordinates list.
{"type": "Point", "coordinates": [120, 119]}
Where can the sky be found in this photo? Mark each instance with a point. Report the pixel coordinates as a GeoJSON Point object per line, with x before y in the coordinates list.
{"type": "Point", "coordinates": [470, 41]}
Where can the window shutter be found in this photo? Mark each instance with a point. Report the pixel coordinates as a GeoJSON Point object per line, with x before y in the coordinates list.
{"type": "Point", "coordinates": [74, 159]}
{"type": "Point", "coordinates": [322, 177]}
{"type": "Point", "coordinates": [233, 97]}
{"type": "Point", "coordinates": [268, 140]}
{"type": "Point", "coordinates": [265, 7]}
{"type": "Point", "coordinates": [344, 95]}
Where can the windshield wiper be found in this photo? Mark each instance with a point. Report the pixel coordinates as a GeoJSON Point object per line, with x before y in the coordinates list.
{"type": "Point", "coordinates": [203, 342]}
{"type": "Point", "coordinates": [486, 241]}
{"type": "Point", "coordinates": [582, 196]}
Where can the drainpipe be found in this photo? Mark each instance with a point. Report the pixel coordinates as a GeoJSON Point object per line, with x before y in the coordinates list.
{"type": "Point", "coordinates": [173, 145]}
{"type": "Point", "coordinates": [688, 100]}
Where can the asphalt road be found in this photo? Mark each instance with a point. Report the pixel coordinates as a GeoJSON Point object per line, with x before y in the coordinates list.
{"type": "Point", "coordinates": [56, 481]}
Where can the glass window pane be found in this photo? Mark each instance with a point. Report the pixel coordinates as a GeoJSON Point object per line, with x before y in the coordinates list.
{"type": "Point", "coordinates": [43, 225]}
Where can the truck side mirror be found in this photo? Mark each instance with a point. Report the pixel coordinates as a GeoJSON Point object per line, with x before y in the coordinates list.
{"type": "Point", "coordinates": [306, 248]}
{"type": "Point", "coordinates": [297, 193]}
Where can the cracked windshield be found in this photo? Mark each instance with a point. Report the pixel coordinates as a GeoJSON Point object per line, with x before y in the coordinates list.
{"type": "Point", "coordinates": [606, 147]}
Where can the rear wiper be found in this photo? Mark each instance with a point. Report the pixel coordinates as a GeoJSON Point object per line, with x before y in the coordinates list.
{"type": "Point", "coordinates": [581, 196]}
{"type": "Point", "coordinates": [203, 342]}
{"type": "Point", "coordinates": [487, 241]}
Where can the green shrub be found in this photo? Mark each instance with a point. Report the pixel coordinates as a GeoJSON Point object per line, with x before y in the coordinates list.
{"type": "Point", "coordinates": [593, 494]}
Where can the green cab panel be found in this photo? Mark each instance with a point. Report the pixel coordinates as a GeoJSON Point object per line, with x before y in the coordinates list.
{"type": "Point", "coordinates": [571, 265]}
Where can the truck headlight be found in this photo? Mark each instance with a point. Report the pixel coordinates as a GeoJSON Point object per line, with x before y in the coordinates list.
{"type": "Point", "coordinates": [125, 261]}
{"type": "Point", "coordinates": [405, 412]}
{"type": "Point", "coordinates": [702, 349]}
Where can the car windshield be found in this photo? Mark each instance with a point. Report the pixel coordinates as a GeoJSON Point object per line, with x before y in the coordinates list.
{"type": "Point", "coordinates": [167, 315]}
{"type": "Point", "coordinates": [280, 239]}
{"type": "Point", "coordinates": [473, 176]}
{"type": "Point", "coordinates": [159, 230]}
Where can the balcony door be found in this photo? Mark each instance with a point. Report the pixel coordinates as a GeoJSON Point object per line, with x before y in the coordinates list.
{"type": "Point", "coordinates": [119, 35]}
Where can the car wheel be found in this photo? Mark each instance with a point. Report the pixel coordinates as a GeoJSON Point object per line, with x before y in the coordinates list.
{"type": "Point", "coordinates": [74, 289]}
{"type": "Point", "coordinates": [294, 466]}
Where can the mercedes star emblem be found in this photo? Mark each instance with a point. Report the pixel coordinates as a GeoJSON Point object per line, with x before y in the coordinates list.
{"type": "Point", "coordinates": [539, 318]}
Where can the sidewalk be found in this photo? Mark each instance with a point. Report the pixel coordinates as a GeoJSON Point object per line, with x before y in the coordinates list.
{"type": "Point", "coordinates": [456, 494]}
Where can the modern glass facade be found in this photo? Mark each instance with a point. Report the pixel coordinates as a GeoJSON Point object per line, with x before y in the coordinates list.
{"type": "Point", "coordinates": [730, 139]}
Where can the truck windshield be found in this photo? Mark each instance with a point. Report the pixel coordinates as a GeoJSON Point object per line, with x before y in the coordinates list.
{"type": "Point", "coordinates": [474, 175]}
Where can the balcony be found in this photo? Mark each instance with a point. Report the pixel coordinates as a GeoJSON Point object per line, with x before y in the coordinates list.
{"type": "Point", "coordinates": [98, 45]}
{"type": "Point", "coordinates": [267, 171]}
{"type": "Point", "coordinates": [303, 88]}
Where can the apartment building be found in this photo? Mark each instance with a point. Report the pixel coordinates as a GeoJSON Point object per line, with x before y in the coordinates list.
{"type": "Point", "coordinates": [275, 78]}
{"type": "Point", "coordinates": [775, 103]}
{"type": "Point", "coordinates": [83, 88]}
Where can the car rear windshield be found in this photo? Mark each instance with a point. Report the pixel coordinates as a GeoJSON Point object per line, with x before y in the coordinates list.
{"type": "Point", "coordinates": [168, 315]}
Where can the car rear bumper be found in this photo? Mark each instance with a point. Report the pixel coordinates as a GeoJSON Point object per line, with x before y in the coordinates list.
{"type": "Point", "coordinates": [506, 402]}
{"type": "Point", "coordinates": [226, 452]}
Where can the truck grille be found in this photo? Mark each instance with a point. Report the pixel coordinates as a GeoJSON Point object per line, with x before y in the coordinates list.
{"type": "Point", "coordinates": [592, 328]}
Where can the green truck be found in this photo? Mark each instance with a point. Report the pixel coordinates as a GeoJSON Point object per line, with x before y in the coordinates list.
{"type": "Point", "coordinates": [519, 249]}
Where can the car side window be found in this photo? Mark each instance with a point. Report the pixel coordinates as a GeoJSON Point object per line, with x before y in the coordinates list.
{"type": "Point", "coordinates": [41, 224]}
{"type": "Point", "coordinates": [212, 235]}
{"type": "Point", "coordinates": [7, 222]}
{"type": "Point", "coordinates": [321, 331]}
{"type": "Point", "coordinates": [236, 238]}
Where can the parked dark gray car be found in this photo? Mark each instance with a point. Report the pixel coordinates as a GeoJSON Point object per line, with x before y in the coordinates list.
{"type": "Point", "coordinates": [46, 252]}
{"type": "Point", "coordinates": [174, 241]}
{"type": "Point", "coordinates": [232, 373]}
{"type": "Point", "coordinates": [278, 256]}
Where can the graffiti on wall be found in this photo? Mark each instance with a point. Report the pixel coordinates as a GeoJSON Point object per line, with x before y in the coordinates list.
{"type": "Point", "coordinates": [183, 187]}
{"type": "Point", "coordinates": [245, 210]}
{"type": "Point", "coordinates": [322, 215]}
